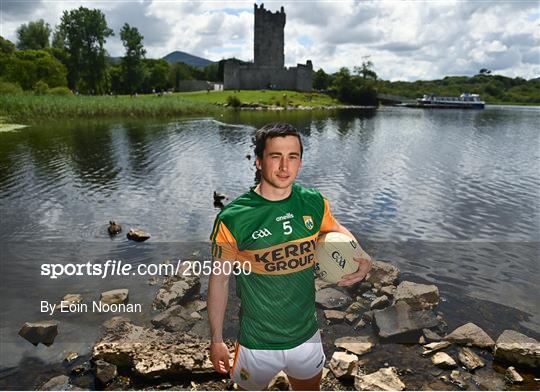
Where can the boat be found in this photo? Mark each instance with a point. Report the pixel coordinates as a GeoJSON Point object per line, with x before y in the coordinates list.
{"type": "Point", "coordinates": [464, 101]}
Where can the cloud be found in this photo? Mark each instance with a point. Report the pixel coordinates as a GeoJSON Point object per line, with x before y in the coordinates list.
{"type": "Point", "coordinates": [405, 40]}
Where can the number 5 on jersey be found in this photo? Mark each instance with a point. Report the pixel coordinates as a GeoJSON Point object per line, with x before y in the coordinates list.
{"type": "Point", "coordinates": [287, 229]}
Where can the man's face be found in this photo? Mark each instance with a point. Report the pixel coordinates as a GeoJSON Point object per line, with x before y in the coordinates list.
{"type": "Point", "coordinates": [281, 161]}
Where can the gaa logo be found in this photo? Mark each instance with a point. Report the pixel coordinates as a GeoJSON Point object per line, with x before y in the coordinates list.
{"type": "Point", "coordinates": [260, 234]}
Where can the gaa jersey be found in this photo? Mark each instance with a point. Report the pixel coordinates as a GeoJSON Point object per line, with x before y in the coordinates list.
{"type": "Point", "coordinates": [277, 239]}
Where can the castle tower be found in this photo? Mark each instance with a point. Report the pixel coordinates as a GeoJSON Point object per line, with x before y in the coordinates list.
{"type": "Point", "coordinates": [269, 37]}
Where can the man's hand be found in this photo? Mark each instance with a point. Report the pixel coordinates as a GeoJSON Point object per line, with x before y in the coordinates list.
{"type": "Point", "coordinates": [219, 356]}
{"type": "Point", "coordinates": [364, 265]}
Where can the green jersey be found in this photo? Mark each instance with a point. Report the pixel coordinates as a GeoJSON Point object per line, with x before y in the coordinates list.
{"type": "Point", "coordinates": [277, 239]}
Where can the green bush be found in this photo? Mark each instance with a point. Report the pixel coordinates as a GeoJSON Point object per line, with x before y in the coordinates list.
{"type": "Point", "coordinates": [59, 91]}
{"type": "Point", "coordinates": [232, 100]}
{"type": "Point", "coordinates": [41, 88]}
{"type": "Point", "coordinates": [7, 88]}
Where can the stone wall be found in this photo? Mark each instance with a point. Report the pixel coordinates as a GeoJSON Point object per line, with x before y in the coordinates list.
{"type": "Point", "coordinates": [197, 85]}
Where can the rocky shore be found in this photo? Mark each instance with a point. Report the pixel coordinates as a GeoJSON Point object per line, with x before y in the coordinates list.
{"type": "Point", "coordinates": [393, 338]}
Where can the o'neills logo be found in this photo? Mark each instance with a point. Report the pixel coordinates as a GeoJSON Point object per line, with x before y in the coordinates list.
{"type": "Point", "coordinates": [288, 257]}
{"type": "Point", "coordinates": [288, 215]}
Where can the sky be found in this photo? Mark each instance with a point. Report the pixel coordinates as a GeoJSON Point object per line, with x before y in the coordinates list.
{"type": "Point", "coordinates": [405, 40]}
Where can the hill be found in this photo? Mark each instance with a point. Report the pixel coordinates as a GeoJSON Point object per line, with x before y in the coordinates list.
{"type": "Point", "coordinates": [187, 58]}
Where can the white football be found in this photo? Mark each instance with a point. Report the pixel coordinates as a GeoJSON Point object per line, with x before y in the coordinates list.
{"type": "Point", "coordinates": [334, 256]}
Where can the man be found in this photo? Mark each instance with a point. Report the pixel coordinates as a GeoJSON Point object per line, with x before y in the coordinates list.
{"type": "Point", "coordinates": [274, 227]}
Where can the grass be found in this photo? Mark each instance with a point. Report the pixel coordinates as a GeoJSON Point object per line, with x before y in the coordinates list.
{"type": "Point", "coordinates": [28, 108]}
{"type": "Point", "coordinates": [264, 97]}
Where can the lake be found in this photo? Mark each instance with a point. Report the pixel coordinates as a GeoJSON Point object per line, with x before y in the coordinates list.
{"type": "Point", "coordinates": [449, 196]}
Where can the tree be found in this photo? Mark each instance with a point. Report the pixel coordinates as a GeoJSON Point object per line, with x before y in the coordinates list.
{"type": "Point", "coordinates": [321, 80]}
{"type": "Point", "coordinates": [156, 75]}
{"type": "Point", "coordinates": [28, 67]}
{"type": "Point", "coordinates": [6, 46]}
{"type": "Point", "coordinates": [34, 35]}
{"type": "Point", "coordinates": [366, 70]}
{"type": "Point", "coordinates": [132, 66]}
{"type": "Point", "coordinates": [83, 33]}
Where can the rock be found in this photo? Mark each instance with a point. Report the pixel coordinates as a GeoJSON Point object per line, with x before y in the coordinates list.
{"type": "Point", "coordinates": [385, 379]}
{"type": "Point", "coordinates": [512, 376]}
{"type": "Point", "coordinates": [325, 372]}
{"type": "Point", "coordinates": [70, 299]}
{"type": "Point", "coordinates": [443, 360]}
{"type": "Point", "coordinates": [196, 316]}
{"type": "Point", "coordinates": [417, 296]}
{"type": "Point", "coordinates": [422, 340]}
{"type": "Point", "coordinates": [40, 332]}
{"type": "Point", "coordinates": [379, 303]}
{"type": "Point", "coordinates": [351, 317]}
{"type": "Point", "coordinates": [117, 296]}
{"type": "Point", "coordinates": [517, 349]}
{"type": "Point", "coordinates": [358, 345]}
{"type": "Point", "coordinates": [176, 289]}
{"type": "Point", "coordinates": [486, 379]}
{"type": "Point", "coordinates": [354, 308]}
{"type": "Point", "coordinates": [151, 353]}
{"type": "Point", "coordinates": [400, 319]}
{"type": "Point", "coordinates": [434, 347]}
{"type": "Point", "coordinates": [71, 356]}
{"type": "Point", "coordinates": [280, 382]}
{"type": "Point", "coordinates": [137, 235]}
{"type": "Point", "coordinates": [430, 335]}
{"type": "Point", "coordinates": [389, 291]}
{"type": "Point", "coordinates": [58, 383]}
{"type": "Point", "coordinates": [330, 298]}
{"type": "Point", "coordinates": [360, 324]}
{"type": "Point", "coordinates": [105, 371]}
{"type": "Point", "coordinates": [343, 364]}
{"type": "Point", "coordinates": [383, 274]}
{"type": "Point", "coordinates": [334, 315]}
{"type": "Point", "coordinates": [114, 228]}
{"type": "Point", "coordinates": [469, 359]}
{"type": "Point", "coordinates": [321, 284]}
{"type": "Point", "coordinates": [457, 379]}
{"type": "Point", "coordinates": [368, 316]}
{"type": "Point", "coordinates": [174, 319]}
{"type": "Point", "coordinates": [470, 334]}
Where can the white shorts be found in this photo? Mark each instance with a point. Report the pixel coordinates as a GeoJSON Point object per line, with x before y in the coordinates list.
{"type": "Point", "coordinates": [254, 369]}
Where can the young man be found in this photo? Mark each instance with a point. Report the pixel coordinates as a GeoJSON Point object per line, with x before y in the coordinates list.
{"type": "Point", "coordinates": [274, 227]}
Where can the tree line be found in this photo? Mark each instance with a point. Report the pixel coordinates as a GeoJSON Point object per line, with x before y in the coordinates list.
{"type": "Point", "coordinates": [75, 59]}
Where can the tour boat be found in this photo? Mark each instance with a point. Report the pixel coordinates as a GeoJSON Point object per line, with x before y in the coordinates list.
{"type": "Point", "coordinates": [465, 101]}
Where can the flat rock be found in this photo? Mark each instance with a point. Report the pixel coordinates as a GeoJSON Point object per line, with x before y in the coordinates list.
{"type": "Point", "coordinates": [330, 298]}
{"type": "Point", "coordinates": [358, 345]}
{"type": "Point", "coordinates": [105, 371]}
{"type": "Point", "coordinates": [379, 303]}
{"type": "Point", "coordinates": [70, 299]}
{"type": "Point", "coordinates": [321, 284]}
{"type": "Point", "coordinates": [431, 336]}
{"type": "Point", "coordinates": [512, 376]}
{"type": "Point", "coordinates": [176, 289]}
{"type": "Point", "coordinates": [385, 379]}
{"type": "Point", "coordinates": [417, 296]}
{"type": "Point", "coordinates": [334, 315]}
{"type": "Point", "coordinates": [174, 319]}
{"type": "Point", "coordinates": [280, 382]}
{"type": "Point", "coordinates": [469, 359]}
{"type": "Point", "coordinates": [351, 317]}
{"type": "Point", "coordinates": [343, 364]}
{"type": "Point", "coordinates": [58, 383]}
{"type": "Point", "coordinates": [458, 379]}
{"type": "Point", "coordinates": [389, 291]}
{"type": "Point", "coordinates": [40, 332]}
{"type": "Point", "coordinates": [517, 349]}
{"type": "Point", "coordinates": [443, 360]}
{"type": "Point", "coordinates": [151, 353]}
{"type": "Point", "coordinates": [117, 296]}
{"type": "Point", "coordinates": [400, 319]}
{"type": "Point", "coordinates": [137, 235]}
{"type": "Point", "coordinates": [470, 334]}
{"type": "Point", "coordinates": [383, 274]}
{"type": "Point", "coordinates": [435, 346]}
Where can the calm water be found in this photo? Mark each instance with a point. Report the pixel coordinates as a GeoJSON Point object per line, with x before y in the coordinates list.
{"type": "Point", "coordinates": [451, 197]}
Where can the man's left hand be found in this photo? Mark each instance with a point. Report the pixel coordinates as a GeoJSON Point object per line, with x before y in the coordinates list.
{"type": "Point", "coordinates": [364, 265]}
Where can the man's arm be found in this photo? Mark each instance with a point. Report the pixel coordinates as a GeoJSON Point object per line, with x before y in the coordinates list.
{"type": "Point", "coordinates": [218, 292]}
{"type": "Point", "coordinates": [364, 262]}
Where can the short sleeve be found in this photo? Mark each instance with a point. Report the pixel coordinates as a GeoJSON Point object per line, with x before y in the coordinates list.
{"type": "Point", "coordinates": [224, 245]}
{"type": "Point", "coordinates": [328, 221]}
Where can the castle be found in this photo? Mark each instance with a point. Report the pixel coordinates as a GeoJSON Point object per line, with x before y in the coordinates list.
{"type": "Point", "coordinates": [268, 70]}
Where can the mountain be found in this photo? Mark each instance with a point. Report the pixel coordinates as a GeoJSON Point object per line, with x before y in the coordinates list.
{"type": "Point", "coordinates": [187, 58]}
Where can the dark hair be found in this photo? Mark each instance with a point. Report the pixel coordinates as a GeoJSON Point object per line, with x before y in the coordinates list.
{"type": "Point", "coordinates": [272, 130]}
